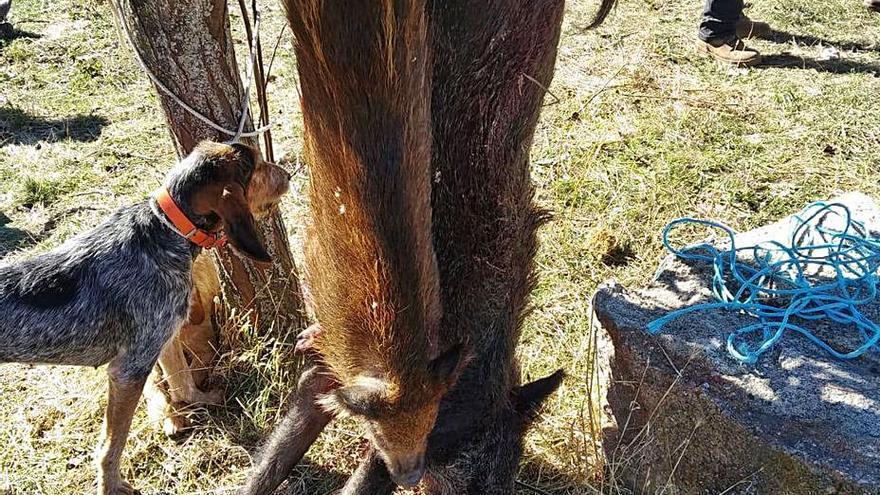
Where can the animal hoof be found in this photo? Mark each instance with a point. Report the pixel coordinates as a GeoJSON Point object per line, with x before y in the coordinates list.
{"type": "Point", "coordinates": [305, 341]}
{"type": "Point", "coordinates": [126, 489]}
{"type": "Point", "coordinates": [315, 381]}
{"type": "Point", "coordinates": [121, 487]}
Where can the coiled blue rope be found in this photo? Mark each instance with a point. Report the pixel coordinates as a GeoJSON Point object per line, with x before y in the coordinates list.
{"type": "Point", "coordinates": [820, 273]}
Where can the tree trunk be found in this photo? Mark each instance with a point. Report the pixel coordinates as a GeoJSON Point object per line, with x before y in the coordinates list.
{"type": "Point", "coordinates": [187, 45]}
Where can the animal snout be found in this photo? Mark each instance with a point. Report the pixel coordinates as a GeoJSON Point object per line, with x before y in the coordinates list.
{"type": "Point", "coordinates": [408, 472]}
{"type": "Point", "coordinates": [282, 179]}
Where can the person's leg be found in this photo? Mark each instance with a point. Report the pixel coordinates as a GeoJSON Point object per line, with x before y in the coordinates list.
{"type": "Point", "coordinates": [718, 33]}
{"type": "Point", "coordinates": [719, 19]}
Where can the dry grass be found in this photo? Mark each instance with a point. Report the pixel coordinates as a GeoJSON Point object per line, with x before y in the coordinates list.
{"type": "Point", "coordinates": [638, 130]}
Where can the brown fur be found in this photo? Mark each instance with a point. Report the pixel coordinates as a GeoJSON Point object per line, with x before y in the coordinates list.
{"type": "Point", "coordinates": [487, 59]}
{"type": "Point", "coordinates": [492, 61]}
{"type": "Point", "coordinates": [370, 268]}
{"type": "Point", "coordinates": [198, 337]}
{"type": "Point", "coordinates": [192, 352]}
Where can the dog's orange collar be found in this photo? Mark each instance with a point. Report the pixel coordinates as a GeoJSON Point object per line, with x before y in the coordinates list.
{"type": "Point", "coordinates": [183, 225]}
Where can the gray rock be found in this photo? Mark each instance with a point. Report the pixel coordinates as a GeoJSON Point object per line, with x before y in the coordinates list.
{"type": "Point", "coordinates": [684, 417]}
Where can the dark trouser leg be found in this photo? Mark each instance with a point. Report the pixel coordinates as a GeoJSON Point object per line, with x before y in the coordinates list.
{"type": "Point", "coordinates": [719, 19]}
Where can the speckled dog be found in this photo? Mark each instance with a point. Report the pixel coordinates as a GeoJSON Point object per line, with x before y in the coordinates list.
{"type": "Point", "coordinates": [117, 293]}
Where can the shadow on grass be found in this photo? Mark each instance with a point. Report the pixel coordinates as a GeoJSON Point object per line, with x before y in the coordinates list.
{"type": "Point", "coordinates": [11, 238]}
{"type": "Point", "coordinates": [308, 479]}
{"type": "Point", "coordinates": [541, 478]}
{"type": "Point", "coordinates": [834, 66]}
{"type": "Point", "coordinates": [9, 33]}
{"type": "Point", "coordinates": [782, 37]}
{"type": "Point", "coordinates": [19, 127]}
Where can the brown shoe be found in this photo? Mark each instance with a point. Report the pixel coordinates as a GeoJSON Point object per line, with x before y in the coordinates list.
{"type": "Point", "coordinates": [873, 5]}
{"type": "Point", "coordinates": [747, 28]}
{"type": "Point", "coordinates": [732, 51]}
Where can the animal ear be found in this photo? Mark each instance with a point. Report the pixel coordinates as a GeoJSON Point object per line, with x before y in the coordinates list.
{"type": "Point", "coordinates": [239, 224]}
{"type": "Point", "coordinates": [448, 366]}
{"type": "Point", "coordinates": [366, 397]}
{"type": "Point", "coordinates": [527, 399]}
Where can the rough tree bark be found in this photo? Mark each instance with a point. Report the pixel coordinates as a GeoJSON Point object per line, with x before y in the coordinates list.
{"type": "Point", "coordinates": [187, 45]}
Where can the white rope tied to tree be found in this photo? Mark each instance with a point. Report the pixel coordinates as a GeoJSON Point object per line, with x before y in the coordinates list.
{"type": "Point", "coordinates": [245, 104]}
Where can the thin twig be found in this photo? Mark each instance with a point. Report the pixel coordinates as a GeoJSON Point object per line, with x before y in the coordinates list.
{"type": "Point", "coordinates": [605, 85]}
{"type": "Point", "coordinates": [545, 88]}
{"type": "Point", "coordinates": [263, 102]}
{"type": "Point", "coordinates": [740, 482]}
{"type": "Point", "coordinates": [669, 359]}
{"type": "Point", "coordinates": [678, 98]}
{"type": "Point", "coordinates": [274, 51]}
{"type": "Point", "coordinates": [684, 445]}
{"type": "Point", "coordinates": [261, 80]}
{"type": "Point", "coordinates": [91, 192]}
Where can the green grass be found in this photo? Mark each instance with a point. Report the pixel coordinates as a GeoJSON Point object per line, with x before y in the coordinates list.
{"type": "Point", "coordinates": [638, 130]}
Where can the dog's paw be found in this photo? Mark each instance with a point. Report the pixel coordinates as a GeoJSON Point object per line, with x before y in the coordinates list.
{"type": "Point", "coordinates": [175, 425]}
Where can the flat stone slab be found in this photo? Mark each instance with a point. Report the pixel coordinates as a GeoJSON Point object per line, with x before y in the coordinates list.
{"type": "Point", "coordinates": [684, 417]}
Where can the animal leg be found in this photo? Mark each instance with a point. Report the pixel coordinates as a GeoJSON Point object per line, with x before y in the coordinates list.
{"type": "Point", "coordinates": [294, 435]}
{"type": "Point", "coordinates": [161, 411]}
{"type": "Point", "coordinates": [305, 341]}
{"type": "Point", "coordinates": [200, 345]}
{"type": "Point", "coordinates": [123, 396]}
{"type": "Point", "coordinates": [181, 385]}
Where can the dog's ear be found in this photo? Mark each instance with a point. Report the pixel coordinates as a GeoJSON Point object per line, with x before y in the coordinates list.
{"type": "Point", "coordinates": [239, 224]}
